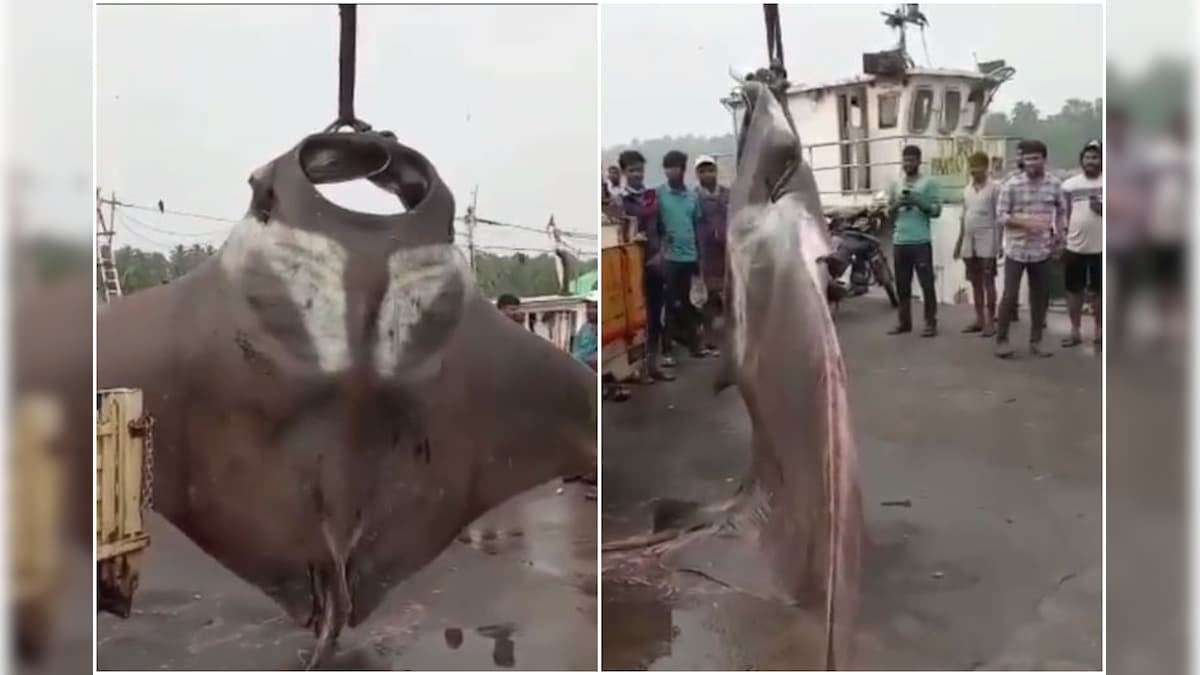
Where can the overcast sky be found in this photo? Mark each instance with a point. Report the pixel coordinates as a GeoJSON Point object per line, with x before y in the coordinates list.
{"type": "Point", "coordinates": [190, 100]}
{"type": "Point", "coordinates": [50, 120]}
{"type": "Point", "coordinates": [664, 70]}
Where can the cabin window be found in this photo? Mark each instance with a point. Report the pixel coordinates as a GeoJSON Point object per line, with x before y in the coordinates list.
{"type": "Point", "coordinates": [889, 110]}
{"type": "Point", "coordinates": [951, 108]}
{"type": "Point", "coordinates": [922, 109]}
{"type": "Point", "coordinates": [856, 113]}
{"type": "Point", "coordinates": [974, 110]}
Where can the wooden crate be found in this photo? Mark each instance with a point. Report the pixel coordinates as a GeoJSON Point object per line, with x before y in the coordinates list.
{"type": "Point", "coordinates": [120, 532]}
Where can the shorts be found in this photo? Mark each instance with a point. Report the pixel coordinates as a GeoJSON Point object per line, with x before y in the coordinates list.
{"type": "Point", "coordinates": [980, 268]}
{"type": "Point", "coordinates": [1166, 265]}
{"type": "Point", "coordinates": [983, 243]}
{"type": "Point", "coordinates": [1083, 270]}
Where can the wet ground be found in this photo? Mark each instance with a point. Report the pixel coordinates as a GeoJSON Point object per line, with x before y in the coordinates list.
{"type": "Point", "coordinates": [520, 593]}
{"type": "Point", "coordinates": [996, 564]}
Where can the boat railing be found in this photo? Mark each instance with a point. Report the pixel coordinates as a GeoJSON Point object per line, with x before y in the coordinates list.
{"type": "Point", "coordinates": [949, 165]}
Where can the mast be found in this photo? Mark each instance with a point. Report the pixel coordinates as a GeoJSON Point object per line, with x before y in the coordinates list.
{"type": "Point", "coordinates": [899, 19]}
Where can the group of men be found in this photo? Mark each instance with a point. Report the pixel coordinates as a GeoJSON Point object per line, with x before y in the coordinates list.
{"type": "Point", "coordinates": [1030, 219]}
{"type": "Point", "coordinates": [682, 231]}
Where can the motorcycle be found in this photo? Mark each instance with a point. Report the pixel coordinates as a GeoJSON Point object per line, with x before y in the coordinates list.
{"type": "Point", "coordinates": [858, 254]}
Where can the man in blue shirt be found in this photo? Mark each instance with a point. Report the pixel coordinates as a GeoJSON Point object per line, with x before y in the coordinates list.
{"type": "Point", "coordinates": [679, 215]}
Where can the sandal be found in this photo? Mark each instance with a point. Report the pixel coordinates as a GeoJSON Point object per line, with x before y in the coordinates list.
{"type": "Point", "coordinates": [973, 328]}
{"type": "Point", "coordinates": [1071, 341]}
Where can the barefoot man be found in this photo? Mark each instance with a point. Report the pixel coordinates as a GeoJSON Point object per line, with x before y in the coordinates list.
{"type": "Point", "coordinates": [1083, 261]}
{"type": "Point", "coordinates": [979, 243]}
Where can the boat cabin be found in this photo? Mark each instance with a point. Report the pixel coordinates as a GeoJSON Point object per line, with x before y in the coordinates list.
{"type": "Point", "coordinates": [853, 130]}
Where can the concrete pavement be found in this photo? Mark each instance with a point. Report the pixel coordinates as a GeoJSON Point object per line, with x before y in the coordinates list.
{"type": "Point", "coordinates": [995, 564]}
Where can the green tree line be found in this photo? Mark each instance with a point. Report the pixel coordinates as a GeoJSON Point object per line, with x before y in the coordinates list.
{"type": "Point", "coordinates": [494, 274]}
{"type": "Point", "coordinates": [54, 258]}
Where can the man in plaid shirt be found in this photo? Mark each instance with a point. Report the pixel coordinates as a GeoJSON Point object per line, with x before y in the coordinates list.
{"type": "Point", "coordinates": [1032, 209]}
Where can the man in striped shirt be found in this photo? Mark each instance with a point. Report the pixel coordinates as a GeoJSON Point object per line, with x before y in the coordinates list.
{"type": "Point", "coordinates": [1032, 209]}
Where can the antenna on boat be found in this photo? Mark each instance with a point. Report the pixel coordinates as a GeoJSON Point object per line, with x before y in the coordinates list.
{"type": "Point", "coordinates": [899, 19]}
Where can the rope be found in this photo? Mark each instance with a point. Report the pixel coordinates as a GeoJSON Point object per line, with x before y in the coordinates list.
{"type": "Point", "coordinates": [348, 15]}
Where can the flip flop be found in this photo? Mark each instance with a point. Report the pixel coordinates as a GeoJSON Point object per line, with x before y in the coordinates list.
{"type": "Point", "coordinates": [1071, 341]}
{"type": "Point", "coordinates": [973, 328]}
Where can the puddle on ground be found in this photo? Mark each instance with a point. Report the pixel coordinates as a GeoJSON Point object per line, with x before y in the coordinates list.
{"type": "Point", "coordinates": [704, 627]}
{"type": "Point", "coordinates": [457, 648]}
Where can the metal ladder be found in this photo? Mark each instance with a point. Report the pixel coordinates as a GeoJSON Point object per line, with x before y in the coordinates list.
{"type": "Point", "coordinates": [106, 271]}
{"type": "Point", "coordinates": [108, 277]}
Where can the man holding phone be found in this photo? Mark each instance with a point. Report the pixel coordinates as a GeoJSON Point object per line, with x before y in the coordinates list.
{"type": "Point", "coordinates": [1083, 262]}
{"type": "Point", "coordinates": [913, 201]}
{"type": "Point", "coordinates": [1032, 209]}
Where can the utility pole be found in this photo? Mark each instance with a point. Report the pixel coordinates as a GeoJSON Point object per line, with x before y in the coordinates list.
{"type": "Point", "coordinates": [106, 263]}
{"type": "Point", "coordinates": [470, 219]}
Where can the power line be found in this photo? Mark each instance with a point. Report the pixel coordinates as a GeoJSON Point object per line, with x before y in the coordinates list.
{"type": "Point", "coordinates": [527, 228]}
{"type": "Point", "coordinates": [132, 230]}
{"type": "Point", "coordinates": [174, 232]}
{"type": "Point", "coordinates": [220, 219]}
{"type": "Point", "coordinates": [128, 219]}
{"type": "Point", "coordinates": [186, 214]}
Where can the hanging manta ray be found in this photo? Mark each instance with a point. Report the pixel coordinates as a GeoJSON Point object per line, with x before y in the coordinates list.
{"type": "Point", "coordinates": [793, 532]}
{"type": "Point", "coordinates": [335, 400]}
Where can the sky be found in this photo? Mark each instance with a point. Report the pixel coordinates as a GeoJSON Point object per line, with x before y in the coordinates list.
{"type": "Point", "coordinates": [49, 135]}
{"type": "Point", "coordinates": [663, 72]}
{"type": "Point", "coordinates": [191, 99]}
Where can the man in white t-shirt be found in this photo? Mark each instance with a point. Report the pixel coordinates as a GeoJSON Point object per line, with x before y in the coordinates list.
{"type": "Point", "coordinates": [1083, 261]}
{"type": "Point", "coordinates": [1168, 222]}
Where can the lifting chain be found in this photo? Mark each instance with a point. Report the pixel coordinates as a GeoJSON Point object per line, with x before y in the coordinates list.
{"type": "Point", "coordinates": [775, 74]}
{"type": "Point", "coordinates": [348, 15]}
{"type": "Point", "coordinates": [774, 41]}
{"type": "Point", "coordinates": [143, 427]}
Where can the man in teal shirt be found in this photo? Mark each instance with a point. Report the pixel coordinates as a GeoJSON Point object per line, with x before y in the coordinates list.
{"type": "Point", "coordinates": [584, 347]}
{"type": "Point", "coordinates": [912, 202]}
{"type": "Point", "coordinates": [679, 215]}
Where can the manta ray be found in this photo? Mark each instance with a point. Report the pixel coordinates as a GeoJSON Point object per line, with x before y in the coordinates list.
{"type": "Point", "coordinates": [793, 531]}
{"type": "Point", "coordinates": [334, 399]}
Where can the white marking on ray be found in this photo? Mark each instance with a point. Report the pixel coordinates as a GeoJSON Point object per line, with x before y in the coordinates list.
{"type": "Point", "coordinates": [741, 254]}
{"type": "Point", "coordinates": [312, 269]}
{"type": "Point", "coordinates": [772, 236]}
{"type": "Point", "coordinates": [416, 278]}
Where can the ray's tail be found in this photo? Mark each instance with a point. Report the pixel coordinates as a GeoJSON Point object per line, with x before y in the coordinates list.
{"type": "Point", "coordinates": [845, 528]}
